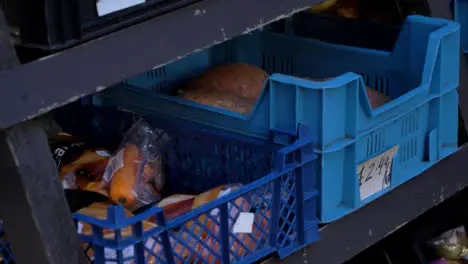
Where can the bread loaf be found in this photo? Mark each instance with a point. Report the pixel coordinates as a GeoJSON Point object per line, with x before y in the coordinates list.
{"type": "Point", "coordinates": [240, 79]}
{"type": "Point", "coordinates": [224, 100]}
{"type": "Point", "coordinates": [376, 98]}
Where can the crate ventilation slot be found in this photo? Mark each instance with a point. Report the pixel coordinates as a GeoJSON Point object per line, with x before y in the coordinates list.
{"type": "Point", "coordinates": [228, 54]}
{"type": "Point", "coordinates": [408, 150]}
{"type": "Point", "coordinates": [375, 143]}
{"type": "Point", "coordinates": [410, 123]}
{"type": "Point", "coordinates": [156, 73]}
{"type": "Point", "coordinates": [377, 82]}
{"type": "Point", "coordinates": [277, 64]}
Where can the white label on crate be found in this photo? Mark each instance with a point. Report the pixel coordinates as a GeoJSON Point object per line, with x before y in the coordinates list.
{"type": "Point", "coordinates": [128, 252]}
{"type": "Point", "coordinates": [114, 164]}
{"type": "Point", "coordinates": [374, 174]}
{"type": "Point", "coordinates": [244, 223]}
{"type": "Point", "coordinates": [103, 153]}
{"type": "Point", "coordinates": [105, 7]}
{"type": "Point", "coordinates": [79, 228]}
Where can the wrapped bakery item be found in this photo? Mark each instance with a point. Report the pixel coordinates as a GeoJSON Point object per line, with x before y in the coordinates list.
{"type": "Point", "coordinates": [452, 244]}
{"type": "Point", "coordinates": [79, 165]}
{"type": "Point", "coordinates": [135, 173]}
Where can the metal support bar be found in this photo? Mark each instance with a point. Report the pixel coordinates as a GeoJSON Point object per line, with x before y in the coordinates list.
{"type": "Point", "coordinates": [36, 216]}
{"type": "Point", "coordinates": [33, 208]}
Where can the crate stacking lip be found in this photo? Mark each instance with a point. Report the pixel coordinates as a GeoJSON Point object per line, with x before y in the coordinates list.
{"type": "Point", "coordinates": [460, 14]}
{"type": "Point", "coordinates": [414, 130]}
{"type": "Point", "coordinates": [276, 194]}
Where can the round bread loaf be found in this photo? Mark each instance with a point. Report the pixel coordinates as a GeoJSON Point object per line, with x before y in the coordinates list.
{"type": "Point", "coordinates": [225, 100]}
{"type": "Point", "coordinates": [239, 79]}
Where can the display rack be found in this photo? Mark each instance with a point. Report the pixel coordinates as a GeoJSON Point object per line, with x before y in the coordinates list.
{"type": "Point", "coordinates": [32, 203]}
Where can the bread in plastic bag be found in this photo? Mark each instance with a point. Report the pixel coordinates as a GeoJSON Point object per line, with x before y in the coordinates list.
{"type": "Point", "coordinates": [135, 172]}
{"type": "Point", "coordinates": [79, 165]}
{"type": "Point", "coordinates": [452, 244]}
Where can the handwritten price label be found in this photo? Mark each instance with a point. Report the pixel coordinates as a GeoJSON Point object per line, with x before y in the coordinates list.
{"type": "Point", "coordinates": [375, 174]}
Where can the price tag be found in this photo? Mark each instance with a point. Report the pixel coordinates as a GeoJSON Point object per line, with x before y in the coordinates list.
{"type": "Point", "coordinates": [105, 7]}
{"type": "Point", "coordinates": [374, 174]}
{"type": "Point", "coordinates": [244, 223]}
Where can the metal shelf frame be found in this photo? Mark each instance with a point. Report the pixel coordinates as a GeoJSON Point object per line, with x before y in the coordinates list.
{"type": "Point", "coordinates": [32, 203]}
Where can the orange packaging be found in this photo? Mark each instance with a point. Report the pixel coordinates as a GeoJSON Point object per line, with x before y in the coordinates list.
{"type": "Point", "coordinates": [78, 164]}
{"type": "Point", "coordinates": [134, 174]}
{"type": "Point", "coordinates": [131, 178]}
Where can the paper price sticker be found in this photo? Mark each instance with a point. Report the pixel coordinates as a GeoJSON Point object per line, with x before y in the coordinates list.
{"type": "Point", "coordinates": [374, 175]}
{"type": "Point", "coordinates": [244, 223]}
{"type": "Point", "coordinates": [105, 7]}
{"type": "Point", "coordinates": [114, 164]}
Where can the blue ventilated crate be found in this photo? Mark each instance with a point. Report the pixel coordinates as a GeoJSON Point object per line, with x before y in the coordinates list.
{"type": "Point", "coordinates": [6, 256]}
{"type": "Point", "coordinates": [278, 187]}
{"type": "Point", "coordinates": [460, 14]}
{"type": "Point", "coordinates": [420, 75]}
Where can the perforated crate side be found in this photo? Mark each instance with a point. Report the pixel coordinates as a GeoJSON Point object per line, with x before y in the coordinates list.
{"type": "Point", "coordinates": [277, 199]}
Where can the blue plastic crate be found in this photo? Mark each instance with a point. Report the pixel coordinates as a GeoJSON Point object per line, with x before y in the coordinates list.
{"type": "Point", "coordinates": [6, 256]}
{"type": "Point", "coordinates": [420, 75]}
{"type": "Point", "coordinates": [278, 186]}
{"type": "Point", "coordinates": [460, 14]}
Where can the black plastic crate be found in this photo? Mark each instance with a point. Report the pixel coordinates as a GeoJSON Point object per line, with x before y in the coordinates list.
{"type": "Point", "coordinates": [365, 31]}
{"type": "Point", "coordinates": [57, 24]}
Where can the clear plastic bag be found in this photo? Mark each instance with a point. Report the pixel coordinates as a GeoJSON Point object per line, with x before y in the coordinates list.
{"type": "Point", "coordinates": [452, 244]}
{"type": "Point", "coordinates": [135, 174]}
